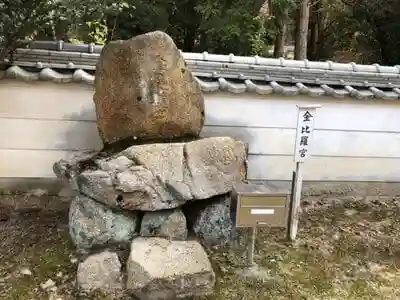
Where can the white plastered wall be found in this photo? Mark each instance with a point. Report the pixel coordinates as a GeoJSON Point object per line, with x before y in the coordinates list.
{"type": "Point", "coordinates": [41, 122]}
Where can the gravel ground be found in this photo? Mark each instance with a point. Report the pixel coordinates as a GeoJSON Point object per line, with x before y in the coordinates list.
{"type": "Point", "coordinates": [347, 250]}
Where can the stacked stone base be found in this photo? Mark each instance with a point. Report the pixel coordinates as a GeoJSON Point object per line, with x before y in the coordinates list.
{"type": "Point", "coordinates": [148, 198]}
{"type": "Point", "coordinates": [161, 203]}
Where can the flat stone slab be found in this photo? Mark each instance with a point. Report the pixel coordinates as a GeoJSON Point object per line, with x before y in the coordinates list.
{"type": "Point", "coordinates": [161, 176]}
{"type": "Point", "coordinates": [159, 269]}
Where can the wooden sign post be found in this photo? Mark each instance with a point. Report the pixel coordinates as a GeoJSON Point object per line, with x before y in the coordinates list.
{"type": "Point", "coordinates": [304, 133]}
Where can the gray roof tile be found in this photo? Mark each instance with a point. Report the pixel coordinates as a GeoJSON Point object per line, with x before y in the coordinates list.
{"type": "Point", "coordinates": [64, 62]}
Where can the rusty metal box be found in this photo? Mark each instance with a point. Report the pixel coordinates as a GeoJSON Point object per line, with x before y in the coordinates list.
{"type": "Point", "coordinates": [256, 205]}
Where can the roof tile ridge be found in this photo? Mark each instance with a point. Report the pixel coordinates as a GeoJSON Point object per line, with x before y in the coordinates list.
{"type": "Point", "coordinates": [352, 67]}
{"type": "Point", "coordinates": [61, 46]}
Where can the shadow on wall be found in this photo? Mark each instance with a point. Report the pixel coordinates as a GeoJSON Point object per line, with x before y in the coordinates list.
{"type": "Point", "coordinates": [75, 132]}
{"type": "Point", "coordinates": [213, 128]}
{"type": "Point", "coordinates": [81, 134]}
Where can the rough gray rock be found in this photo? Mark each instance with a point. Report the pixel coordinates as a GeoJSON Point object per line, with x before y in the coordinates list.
{"type": "Point", "coordinates": [158, 269]}
{"type": "Point", "coordinates": [214, 225]}
{"type": "Point", "coordinates": [65, 169]}
{"type": "Point", "coordinates": [144, 90]}
{"type": "Point", "coordinates": [169, 224]}
{"type": "Point", "coordinates": [164, 176]}
{"type": "Point", "coordinates": [101, 272]}
{"type": "Point", "coordinates": [93, 224]}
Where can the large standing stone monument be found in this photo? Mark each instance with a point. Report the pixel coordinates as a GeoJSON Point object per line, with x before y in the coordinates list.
{"type": "Point", "coordinates": [141, 195]}
{"type": "Point", "coordinates": [145, 91]}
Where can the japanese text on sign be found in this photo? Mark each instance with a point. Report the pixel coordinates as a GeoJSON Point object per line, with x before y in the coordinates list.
{"type": "Point", "coordinates": [305, 127]}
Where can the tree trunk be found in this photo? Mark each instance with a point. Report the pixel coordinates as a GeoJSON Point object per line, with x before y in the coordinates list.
{"type": "Point", "coordinates": [191, 23]}
{"type": "Point", "coordinates": [300, 51]}
{"type": "Point", "coordinates": [279, 47]}
{"type": "Point", "coordinates": [270, 7]}
{"type": "Point", "coordinates": [189, 39]}
{"type": "Point", "coordinates": [317, 34]}
{"type": "Point", "coordinates": [61, 30]}
{"type": "Point", "coordinates": [312, 47]}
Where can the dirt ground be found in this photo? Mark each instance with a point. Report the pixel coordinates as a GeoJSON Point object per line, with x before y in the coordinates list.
{"type": "Point", "coordinates": [349, 250]}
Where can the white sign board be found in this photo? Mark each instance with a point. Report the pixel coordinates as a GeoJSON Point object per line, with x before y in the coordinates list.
{"type": "Point", "coordinates": [263, 211]}
{"type": "Point", "coordinates": [304, 132]}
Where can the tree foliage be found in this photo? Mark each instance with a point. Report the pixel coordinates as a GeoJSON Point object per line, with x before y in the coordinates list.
{"type": "Point", "coordinates": [225, 26]}
{"type": "Point", "coordinates": [28, 19]}
{"type": "Point", "coordinates": [369, 29]}
{"type": "Point", "coordinates": [377, 27]}
{"type": "Point", "coordinates": [21, 19]}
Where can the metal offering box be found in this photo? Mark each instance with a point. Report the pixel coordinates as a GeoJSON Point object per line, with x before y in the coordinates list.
{"type": "Point", "coordinates": [259, 206]}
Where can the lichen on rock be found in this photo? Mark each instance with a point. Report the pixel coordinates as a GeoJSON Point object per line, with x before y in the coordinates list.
{"type": "Point", "coordinates": [92, 224]}
{"type": "Point", "coordinates": [170, 224]}
{"type": "Point", "coordinates": [214, 225]}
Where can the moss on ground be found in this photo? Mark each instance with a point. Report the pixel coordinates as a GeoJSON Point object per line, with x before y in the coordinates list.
{"type": "Point", "coordinates": [346, 251]}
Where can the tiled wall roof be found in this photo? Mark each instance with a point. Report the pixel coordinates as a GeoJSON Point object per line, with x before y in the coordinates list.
{"type": "Point", "coordinates": [64, 62]}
